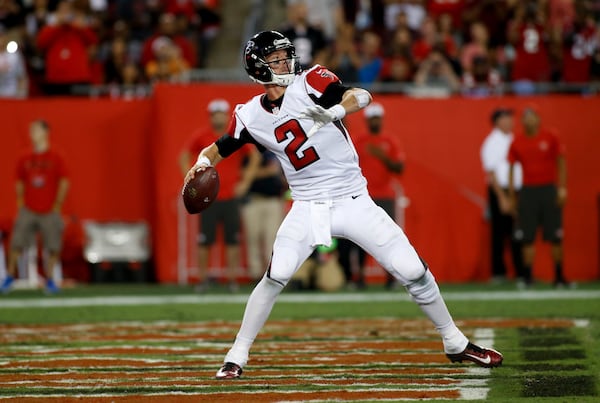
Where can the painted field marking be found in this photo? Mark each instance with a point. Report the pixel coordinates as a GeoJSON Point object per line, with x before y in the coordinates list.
{"type": "Point", "coordinates": [302, 298]}
{"type": "Point", "coordinates": [187, 378]}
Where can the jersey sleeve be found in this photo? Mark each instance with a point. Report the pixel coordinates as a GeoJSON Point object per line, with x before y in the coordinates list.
{"type": "Point", "coordinates": [318, 79]}
{"type": "Point", "coordinates": [236, 126]}
{"type": "Point", "coordinates": [324, 87]}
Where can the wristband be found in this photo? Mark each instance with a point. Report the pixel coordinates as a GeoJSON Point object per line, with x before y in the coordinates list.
{"type": "Point", "coordinates": [338, 111]}
{"type": "Point", "coordinates": [202, 160]}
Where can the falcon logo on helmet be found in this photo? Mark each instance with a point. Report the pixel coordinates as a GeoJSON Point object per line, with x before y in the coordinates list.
{"type": "Point", "coordinates": [259, 47]}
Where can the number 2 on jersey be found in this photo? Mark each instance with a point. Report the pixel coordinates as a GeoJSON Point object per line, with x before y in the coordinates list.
{"type": "Point", "coordinates": [293, 128]}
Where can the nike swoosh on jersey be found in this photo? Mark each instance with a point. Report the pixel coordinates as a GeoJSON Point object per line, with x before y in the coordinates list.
{"type": "Point", "coordinates": [355, 197]}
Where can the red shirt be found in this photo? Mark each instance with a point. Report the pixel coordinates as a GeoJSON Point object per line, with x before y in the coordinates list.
{"type": "Point", "coordinates": [452, 7]}
{"type": "Point", "coordinates": [421, 49]}
{"type": "Point", "coordinates": [41, 174]}
{"type": "Point", "coordinates": [229, 169]}
{"type": "Point", "coordinates": [66, 50]}
{"type": "Point", "coordinates": [537, 155]}
{"type": "Point", "coordinates": [578, 57]}
{"type": "Point", "coordinates": [379, 178]}
{"type": "Point", "coordinates": [531, 61]}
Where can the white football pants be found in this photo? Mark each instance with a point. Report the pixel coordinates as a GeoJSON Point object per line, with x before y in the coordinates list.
{"type": "Point", "coordinates": [359, 219]}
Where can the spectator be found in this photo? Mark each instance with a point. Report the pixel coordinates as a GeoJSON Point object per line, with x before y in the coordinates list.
{"type": "Point", "coordinates": [455, 9]}
{"type": "Point", "coordinates": [544, 191]}
{"type": "Point", "coordinates": [210, 25]}
{"type": "Point", "coordinates": [436, 73]}
{"type": "Point", "coordinates": [41, 187]}
{"type": "Point", "coordinates": [413, 10]}
{"type": "Point", "coordinates": [35, 19]}
{"type": "Point", "coordinates": [398, 65]}
{"type": "Point", "coordinates": [370, 57]}
{"type": "Point", "coordinates": [365, 15]}
{"type": "Point", "coordinates": [13, 75]}
{"type": "Point", "coordinates": [430, 38]}
{"type": "Point", "coordinates": [325, 15]}
{"type": "Point", "coordinates": [529, 38]}
{"type": "Point", "coordinates": [168, 65]}
{"type": "Point", "coordinates": [234, 183]}
{"type": "Point", "coordinates": [579, 46]}
{"type": "Point", "coordinates": [494, 158]}
{"type": "Point", "coordinates": [309, 41]}
{"type": "Point", "coordinates": [262, 212]}
{"type": "Point", "coordinates": [11, 15]}
{"type": "Point", "coordinates": [476, 47]}
{"type": "Point", "coordinates": [121, 31]}
{"type": "Point", "coordinates": [66, 43]}
{"type": "Point", "coordinates": [167, 28]}
{"type": "Point", "coordinates": [382, 160]}
{"type": "Point", "coordinates": [116, 61]}
{"type": "Point", "coordinates": [493, 14]}
{"type": "Point", "coordinates": [482, 80]}
{"type": "Point", "coordinates": [344, 59]}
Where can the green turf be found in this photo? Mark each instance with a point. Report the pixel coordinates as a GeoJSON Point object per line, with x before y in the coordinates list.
{"type": "Point", "coordinates": [541, 365]}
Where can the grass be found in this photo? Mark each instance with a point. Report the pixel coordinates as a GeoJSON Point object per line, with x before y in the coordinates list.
{"type": "Point", "coordinates": [541, 365]}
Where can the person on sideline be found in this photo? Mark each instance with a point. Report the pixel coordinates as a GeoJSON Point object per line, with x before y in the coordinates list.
{"type": "Point", "coordinates": [262, 213]}
{"type": "Point", "coordinates": [299, 119]}
{"type": "Point", "coordinates": [544, 191]}
{"type": "Point", "coordinates": [225, 211]}
{"type": "Point", "coordinates": [494, 158]}
{"type": "Point", "coordinates": [41, 188]}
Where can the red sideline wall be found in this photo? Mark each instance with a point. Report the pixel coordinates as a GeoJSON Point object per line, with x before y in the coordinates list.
{"type": "Point", "coordinates": [123, 164]}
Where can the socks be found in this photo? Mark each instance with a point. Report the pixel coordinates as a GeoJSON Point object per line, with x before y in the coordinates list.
{"type": "Point", "coordinates": [258, 308]}
{"type": "Point", "coordinates": [454, 340]}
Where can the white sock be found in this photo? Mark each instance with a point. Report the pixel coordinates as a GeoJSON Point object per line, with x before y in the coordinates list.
{"type": "Point", "coordinates": [258, 308]}
{"type": "Point", "coordinates": [454, 340]}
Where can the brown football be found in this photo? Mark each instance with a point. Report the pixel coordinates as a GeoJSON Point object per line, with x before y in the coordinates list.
{"type": "Point", "coordinates": [200, 192]}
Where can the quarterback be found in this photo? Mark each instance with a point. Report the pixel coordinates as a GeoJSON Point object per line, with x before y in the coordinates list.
{"type": "Point", "coordinates": [299, 119]}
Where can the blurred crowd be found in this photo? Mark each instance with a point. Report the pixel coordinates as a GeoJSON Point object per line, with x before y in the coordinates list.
{"type": "Point", "coordinates": [52, 46]}
{"type": "Point", "coordinates": [472, 47]}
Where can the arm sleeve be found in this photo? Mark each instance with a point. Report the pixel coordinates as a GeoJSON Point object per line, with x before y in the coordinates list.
{"type": "Point", "coordinates": [227, 145]}
{"type": "Point", "coordinates": [333, 95]}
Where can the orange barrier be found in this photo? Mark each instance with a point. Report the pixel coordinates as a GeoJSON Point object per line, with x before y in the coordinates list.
{"type": "Point", "coordinates": [123, 165]}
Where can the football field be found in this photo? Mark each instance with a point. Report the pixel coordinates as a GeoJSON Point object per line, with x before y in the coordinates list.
{"type": "Point", "coordinates": [164, 344]}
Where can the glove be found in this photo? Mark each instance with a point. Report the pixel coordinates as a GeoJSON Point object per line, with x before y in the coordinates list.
{"type": "Point", "coordinates": [322, 116]}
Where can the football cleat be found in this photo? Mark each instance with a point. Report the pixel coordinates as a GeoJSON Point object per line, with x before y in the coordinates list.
{"type": "Point", "coordinates": [229, 370]}
{"type": "Point", "coordinates": [484, 357]}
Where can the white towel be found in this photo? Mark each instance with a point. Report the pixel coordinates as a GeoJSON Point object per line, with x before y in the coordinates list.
{"type": "Point", "coordinates": [320, 221]}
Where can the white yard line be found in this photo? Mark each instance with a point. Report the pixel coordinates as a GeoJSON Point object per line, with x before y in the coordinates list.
{"type": "Point", "coordinates": [302, 298]}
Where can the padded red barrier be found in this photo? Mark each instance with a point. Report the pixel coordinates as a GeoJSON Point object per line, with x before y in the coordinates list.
{"type": "Point", "coordinates": [123, 164]}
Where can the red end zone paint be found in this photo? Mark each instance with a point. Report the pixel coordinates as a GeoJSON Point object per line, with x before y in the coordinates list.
{"type": "Point", "coordinates": [348, 360]}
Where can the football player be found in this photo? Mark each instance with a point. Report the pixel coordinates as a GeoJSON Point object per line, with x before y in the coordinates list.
{"type": "Point", "coordinates": [299, 119]}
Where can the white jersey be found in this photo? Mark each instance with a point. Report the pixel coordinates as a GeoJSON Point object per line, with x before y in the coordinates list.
{"type": "Point", "coordinates": [322, 167]}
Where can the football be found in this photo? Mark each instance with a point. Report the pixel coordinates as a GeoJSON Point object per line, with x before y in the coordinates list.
{"type": "Point", "coordinates": [200, 192]}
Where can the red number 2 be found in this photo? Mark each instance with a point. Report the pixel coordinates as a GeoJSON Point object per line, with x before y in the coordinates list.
{"type": "Point", "coordinates": [298, 160]}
